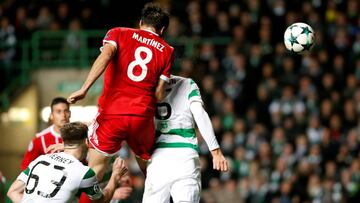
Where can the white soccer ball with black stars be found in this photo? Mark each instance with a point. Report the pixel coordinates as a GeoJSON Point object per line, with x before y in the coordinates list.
{"type": "Point", "coordinates": [299, 38]}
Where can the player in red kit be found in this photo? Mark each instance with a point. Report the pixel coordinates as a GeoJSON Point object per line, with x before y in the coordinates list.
{"type": "Point", "coordinates": [137, 65]}
{"type": "Point", "coordinates": [60, 115]}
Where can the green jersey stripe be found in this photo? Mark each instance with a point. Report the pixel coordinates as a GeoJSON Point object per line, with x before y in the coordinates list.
{"type": "Point", "coordinates": [89, 174]}
{"type": "Point", "coordinates": [194, 93]}
{"type": "Point", "coordinates": [176, 145]}
{"type": "Point", "coordinates": [186, 133]}
{"type": "Point", "coordinates": [26, 171]}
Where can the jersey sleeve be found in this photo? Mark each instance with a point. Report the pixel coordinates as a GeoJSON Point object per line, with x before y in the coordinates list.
{"type": "Point", "coordinates": [193, 92]}
{"type": "Point", "coordinates": [90, 186]}
{"type": "Point", "coordinates": [111, 37]}
{"type": "Point", "coordinates": [165, 75]}
{"type": "Point", "coordinates": [34, 150]}
{"type": "Point", "coordinates": [24, 175]}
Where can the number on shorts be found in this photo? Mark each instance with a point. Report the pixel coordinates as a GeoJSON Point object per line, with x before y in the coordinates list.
{"type": "Point", "coordinates": [36, 178]}
{"type": "Point", "coordinates": [139, 62]}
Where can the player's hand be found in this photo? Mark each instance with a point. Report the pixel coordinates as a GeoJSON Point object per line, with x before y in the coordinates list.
{"type": "Point", "coordinates": [125, 189]}
{"type": "Point", "coordinates": [76, 96]}
{"type": "Point", "coordinates": [219, 161]}
{"type": "Point", "coordinates": [122, 192]}
{"type": "Point", "coordinates": [119, 168]}
{"type": "Point", "coordinates": [55, 148]}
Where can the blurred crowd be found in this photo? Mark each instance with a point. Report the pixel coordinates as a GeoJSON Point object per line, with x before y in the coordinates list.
{"type": "Point", "coordinates": [288, 124]}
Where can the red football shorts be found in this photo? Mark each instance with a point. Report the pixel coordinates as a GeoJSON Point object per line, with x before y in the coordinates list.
{"type": "Point", "coordinates": [108, 131]}
{"type": "Point", "coordinates": [84, 198]}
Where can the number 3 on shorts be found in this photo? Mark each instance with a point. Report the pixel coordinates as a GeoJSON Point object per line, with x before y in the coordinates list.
{"type": "Point", "coordinates": [141, 62]}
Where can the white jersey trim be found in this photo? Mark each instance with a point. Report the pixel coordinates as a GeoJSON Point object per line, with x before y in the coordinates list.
{"type": "Point", "coordinates": [52, 130]}
{"type": "Point", "coordinates": [108, 42]}
{"type": "Point", "coordinates": [165, 78]}
{"type": "Point", "coordinates": [102, 152]}
{"type": "Point", "coordinates": [43, 132]}
{"type": "Point", "coordinates": [149, 31]}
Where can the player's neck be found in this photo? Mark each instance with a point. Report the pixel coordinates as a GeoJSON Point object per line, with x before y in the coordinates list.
{"type": "Point", "coordinates": [57, 129]}
{"type": "Point", "coordinates": [75, 152]}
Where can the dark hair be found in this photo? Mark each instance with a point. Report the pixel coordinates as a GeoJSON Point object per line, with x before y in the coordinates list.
{"type": "Point", "coordinates": [153, 15]}
{"type": "Point", "coordinates": [58, 100]}
{"type": "Point", "coordinates": [74, 133]}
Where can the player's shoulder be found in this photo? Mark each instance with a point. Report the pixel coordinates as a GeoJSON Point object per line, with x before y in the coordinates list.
{"type": "Point", "coordinates": [120, 30]}
{"type": "Point", "coordinates": [175, 79]}
{"type": "Point", "coordinates": [44, 132]}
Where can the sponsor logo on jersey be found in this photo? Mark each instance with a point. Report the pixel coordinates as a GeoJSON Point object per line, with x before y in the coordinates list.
{"type": "Point", "coordinates": [96, 188]}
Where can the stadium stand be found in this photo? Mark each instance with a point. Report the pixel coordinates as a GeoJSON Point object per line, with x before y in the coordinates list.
{"type": "Point", "coordinates": [288, 124]}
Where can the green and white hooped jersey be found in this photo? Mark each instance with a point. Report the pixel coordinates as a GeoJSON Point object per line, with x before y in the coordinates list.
{"type": "Point", "coordinates": [174, 120]}
{"type": "Point", "coordinates": [58, 177]}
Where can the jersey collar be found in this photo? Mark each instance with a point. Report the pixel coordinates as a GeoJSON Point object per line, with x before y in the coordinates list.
{"type": "Point", "coordinates": [149, 31]}
{"type": "Point", "coordinates": [52, 130]}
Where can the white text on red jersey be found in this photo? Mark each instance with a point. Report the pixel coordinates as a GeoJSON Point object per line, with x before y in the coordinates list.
{"type": "Point", "coordinates": [147, 41]}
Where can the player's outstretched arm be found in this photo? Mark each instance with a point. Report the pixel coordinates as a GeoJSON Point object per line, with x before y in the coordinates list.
{"type": "Point", "coordinates": [16, 191]}
{"type": "Point", "coordinates": [99, 66]}
{"type": "Point", "coordinates": [119, 169]}
{"type": "Point", "coordinates": [205, 127]}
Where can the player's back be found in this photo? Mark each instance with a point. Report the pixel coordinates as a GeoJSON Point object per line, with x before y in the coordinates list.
{"type": "Point", "coordinates": [174, 117]}
{"type": "Point", "coordinates": [55, 178]}
{"type": "Point", "coordinates": [142, 57]}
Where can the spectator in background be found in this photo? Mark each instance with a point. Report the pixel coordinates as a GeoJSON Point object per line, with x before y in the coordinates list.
{"type": "Point", "coordinates": [7, 46]}
{"type": "Point", "coordinates": [324, 103]}
{"type": "Point", "coordinates": [44, 18]}
{"type": "Point", "coordinates": [72, 43]}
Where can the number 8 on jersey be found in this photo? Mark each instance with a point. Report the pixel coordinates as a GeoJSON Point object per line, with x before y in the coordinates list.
{"type": "Point", "coordinates": [141, 62]}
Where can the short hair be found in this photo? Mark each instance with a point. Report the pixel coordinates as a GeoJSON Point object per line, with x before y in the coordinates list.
{"type": "Point", "coordinates": [74, 133]}
{"type": "Point", "coordinates": [58, 100]}
{"type": "Point", "coordinates": [153, 15]}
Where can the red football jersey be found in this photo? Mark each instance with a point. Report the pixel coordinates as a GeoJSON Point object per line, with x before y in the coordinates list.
{"type": "Point", "coordinates": [39, 144]}
{"type": "Point", "coordinates": [142, 58]}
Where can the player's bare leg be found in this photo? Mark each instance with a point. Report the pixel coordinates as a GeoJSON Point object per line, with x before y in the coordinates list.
{"type": "Point", "coordinates": [98, 162]}
{"type": "Point", "coordinates": [142, 164]}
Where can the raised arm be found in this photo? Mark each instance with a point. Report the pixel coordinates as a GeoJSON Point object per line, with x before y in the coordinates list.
{"type": "Point", "coordinates": [205, 127]}
{"type": "Point", "coordinates": [119, 169]}
{"type": "Point", "coordinates": [99, 66]}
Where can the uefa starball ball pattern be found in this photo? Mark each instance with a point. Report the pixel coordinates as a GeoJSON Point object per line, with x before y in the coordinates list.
{"type": "Point", "coordinates": [299, 38]}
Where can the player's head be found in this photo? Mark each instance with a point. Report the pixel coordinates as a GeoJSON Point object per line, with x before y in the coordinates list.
{"type": "Point", "coordinates": [154, 16]}
{"type": "Point", "coordinates": [74, 136]}
{"type": "Point", "coordinates": [60, 112]}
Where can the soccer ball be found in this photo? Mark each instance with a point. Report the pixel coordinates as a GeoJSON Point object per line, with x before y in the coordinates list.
{"type": "Point", "coordinates": [299, 38]}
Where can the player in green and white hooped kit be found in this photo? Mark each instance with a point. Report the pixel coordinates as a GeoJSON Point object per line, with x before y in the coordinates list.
{"type": "Point", "coordinates": [60, 177]}
{"type": "Point", "coordinates": [175, 167]}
